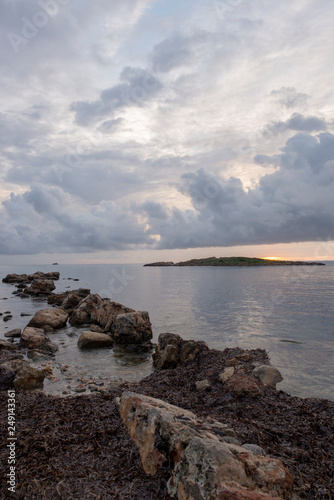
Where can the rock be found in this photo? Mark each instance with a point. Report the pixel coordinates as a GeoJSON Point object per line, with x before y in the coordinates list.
{"type": "Point", "coordinates": [108, 312]}
{"type": "Point", "coordinates": [35, 338]}
{"type": "Point", "coordinates": [15, 278]}
{"type": "Point", "coordinates": [97, 329]}
{"type": "Point", "coordinates": [159, 264]}
{"type": "Point", "coordinates": [269, 375]}
{"type": "Point", "coordinates": [172, 351]}
{"type": "Point", "coordinates": [244, 356]}
{"type": "Point", "coordinates": [26, 377]}
{"type": "Point", "coordinates": [94, 339]}
{"type": "Point", "coordinates": [228, 492]}
{"type": "Point", "coordinates": [14, 333]}
{"type": "Point", "coordinates": [268, 473]}
{"type": "Point", "coordinates": [25, 314]}
{"type": "Point", "coordinates": [225, 375]}
{"type": "Point", "coordinates": [190, 349]}
{"type": "Point", "coordinates": [231, 440]}
{"type": "Point", "coordinates": [244, 385]}
{"type": "Point", "coordinates": [38, 355]}
{"type": "Point", "coordinates": [8, 317]}
{"type": "Point", "coordinates": [55, 299]}
{"type": "Point", "coordinates": [4, 344]}
{"type": "Point", "coordinates": [49, 318]}
{"type": "Point", "coordinates": [203, 467]}
{"type": "Point", "coordinates": [54, 276]}
{"type": "Point", "coordinates": [6, 378]}
{"type": "Point", "coordinates": [232, 362]}
{"type": "Point", "coordinates": [254, 448]}
{"type": "Point", "coordinates": [133, 329]}
{"type": "Point", "coordinates": [70, 299]}
{"type": "Point", "coordinates": [40, 287]}
{"type": "Point", "coordinates": [202, 385]}
{"type": "Point", "coordinates": [101, 312]}
{"type": "Point", "coordinates": [86, 311]}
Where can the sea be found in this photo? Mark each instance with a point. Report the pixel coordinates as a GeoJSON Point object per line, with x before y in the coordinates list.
{"type": "Point", "coordinates": [286, 310]}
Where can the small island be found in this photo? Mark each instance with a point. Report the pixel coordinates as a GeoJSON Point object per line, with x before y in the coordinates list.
{"type": "Point", "coordinates": [235, 261]}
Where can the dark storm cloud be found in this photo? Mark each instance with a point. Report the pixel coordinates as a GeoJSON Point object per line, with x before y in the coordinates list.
{"type": "Point", "coordinates": [293, 204]}
{"type": "Point", "coordinates": [299, 123]}
{"type": "Point", "coordinates": [90, 175]}
{"type": "Point", "coordinates": [138, 86]}
{"type": "Point", "coordinates": [47, 220]}
{"type": "Point", "coordinates": [155, 210]}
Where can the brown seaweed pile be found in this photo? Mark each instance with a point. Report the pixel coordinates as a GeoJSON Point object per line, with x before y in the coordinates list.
{"type": "Point", "coordinates": [74, 448]}
{"type": "Point", "coordinates": [78, 448]}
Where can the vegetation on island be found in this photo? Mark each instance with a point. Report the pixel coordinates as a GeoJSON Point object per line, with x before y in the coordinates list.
{"type": "Point", "coordinates": [235, 261]}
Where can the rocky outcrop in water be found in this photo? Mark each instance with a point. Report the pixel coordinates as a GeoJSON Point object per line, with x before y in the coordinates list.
{"type": "Point", "coordinates": [172, 351]}
{"type": "Point", "coordinates": [49, 319]}
{"type": "Point", "coordinates": [93, 309]}
{"type": "Point", "coordinates": [26, 278]}
{"type": "Point", "coordinates": [133, 331]}
{"type": "Point", "coordinates": [40, 287]}
{"type": "Point", "coordinates": [68, 300]}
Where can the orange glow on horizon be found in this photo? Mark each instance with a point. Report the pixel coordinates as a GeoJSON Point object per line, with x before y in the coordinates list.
{"type": "Point", "coordinates": [273, 258]}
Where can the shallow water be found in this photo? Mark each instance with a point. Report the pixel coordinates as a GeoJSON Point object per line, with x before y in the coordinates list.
{"type": "Point", "coordinates": [288, 311]}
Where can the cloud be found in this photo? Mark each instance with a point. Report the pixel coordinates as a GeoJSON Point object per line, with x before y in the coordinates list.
{"type": "Point", "coordinates": [48, 220]}
{"type": "Point", "coordinates": [138, 86]}
{"type": "Point", "coordinates": [297, 122]}
{"type": "Point", "coordinates": [178, 50]}
{"type": "Point", "coordinates": [150, 114]}
{"type": "Point", "coordinates": [289, 97]}
{"type": "Point", "coordinates": [294, 203]}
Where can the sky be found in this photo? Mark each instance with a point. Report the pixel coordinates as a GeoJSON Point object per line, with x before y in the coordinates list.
{"type": "Point", "coordinates": [148, 130]}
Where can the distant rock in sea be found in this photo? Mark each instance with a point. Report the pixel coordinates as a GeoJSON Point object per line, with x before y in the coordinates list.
{"type": "Point", "coordinates": [160, 264]}
{"type": "Point", "coordinates": [235, 261]}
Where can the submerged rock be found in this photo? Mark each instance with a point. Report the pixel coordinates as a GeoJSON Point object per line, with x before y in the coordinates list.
{"type": "Point", "coordinates": [13, 333]}
{"type": "Point", "coordinates": [4, 344]}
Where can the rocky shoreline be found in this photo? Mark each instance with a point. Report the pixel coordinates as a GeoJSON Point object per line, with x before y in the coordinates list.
{"type": "Point", "coordinates": [197, 400]}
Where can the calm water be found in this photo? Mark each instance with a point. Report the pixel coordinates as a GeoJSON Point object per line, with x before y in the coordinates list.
{"type": "Point", "coordinates": [289, 311]}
